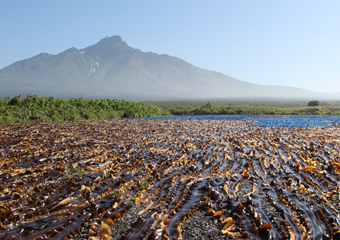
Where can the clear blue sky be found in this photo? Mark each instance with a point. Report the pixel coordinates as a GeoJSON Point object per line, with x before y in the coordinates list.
{"type": "Point", "coordinates": [275, 42]}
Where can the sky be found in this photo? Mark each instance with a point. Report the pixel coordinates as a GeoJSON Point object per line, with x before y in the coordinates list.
{"type": "Point", "coordinates": [272, 42]}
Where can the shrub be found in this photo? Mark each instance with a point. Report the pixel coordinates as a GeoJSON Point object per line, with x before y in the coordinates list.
{"type": "Point", "coordinates": [56, 118]}
{"type": "Point", "coordinates": [239, 111]}
{"type": "Point", "coordinates": [70, 118]}
{"type": "Point", "coordinates": [208, 105]}
{"type": "Point", "coordinates": [313, 103]}
{"type": "Point", "coordinates": [15, 100]}
{"type": "Point", "coordinates": [5, 119]}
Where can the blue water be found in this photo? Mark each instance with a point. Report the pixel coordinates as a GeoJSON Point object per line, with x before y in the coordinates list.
{"type": "Point", "coordinates": [270, 120]}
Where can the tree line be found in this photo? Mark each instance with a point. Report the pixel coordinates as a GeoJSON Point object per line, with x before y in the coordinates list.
{"type": "Point", "coordinates": [209, 109]}
{"type": "Point", "coordinates": [241, 103]}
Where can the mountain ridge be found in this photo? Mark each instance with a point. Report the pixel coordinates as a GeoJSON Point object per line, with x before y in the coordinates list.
{"type": "Point", "coordinates": [112, 69]}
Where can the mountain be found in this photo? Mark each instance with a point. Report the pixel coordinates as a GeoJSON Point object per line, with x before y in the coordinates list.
{"type": "Point", "coordinates": [112, 69]}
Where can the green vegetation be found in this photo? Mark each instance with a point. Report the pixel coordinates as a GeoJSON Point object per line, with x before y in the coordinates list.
{"type": "Point", "coordinates": [239, 103]}
{"type": "Point", "coordinates": [113, 173]}
{"type": "Point", "coordinates": [68, 173]}
{"type": "Point", "coordinates": [107, 174]}
{"type": "Point", "coordinates": [35, 108]}
{"type": "Point", "coordinates": [248, 107]}
{"type": "Point", "coordinates": [117, 193]}
{"type": "Point", "coordinates": [144, 185]}
{"type": "Point", "coordinates": [80, 173]}
{"type": "Point", "coordinates": [204, 110]}
{"type": "Point", "coordinates": [313, 103]}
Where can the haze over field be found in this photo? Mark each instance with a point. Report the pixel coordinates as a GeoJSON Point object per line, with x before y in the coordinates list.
{"type": "Point", "coordinates": [281, 43]}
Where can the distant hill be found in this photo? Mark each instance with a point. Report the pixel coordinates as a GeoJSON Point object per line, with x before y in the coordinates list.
{"type": "Point", "coordinates": [112, 69]}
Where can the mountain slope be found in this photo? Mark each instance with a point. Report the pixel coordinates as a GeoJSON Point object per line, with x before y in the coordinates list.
{"type": "Point", "coordinates": [112, 69]}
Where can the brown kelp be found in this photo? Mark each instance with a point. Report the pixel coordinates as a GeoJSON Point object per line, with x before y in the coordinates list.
{"type": "Point", "coordinates": [63, 180]}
